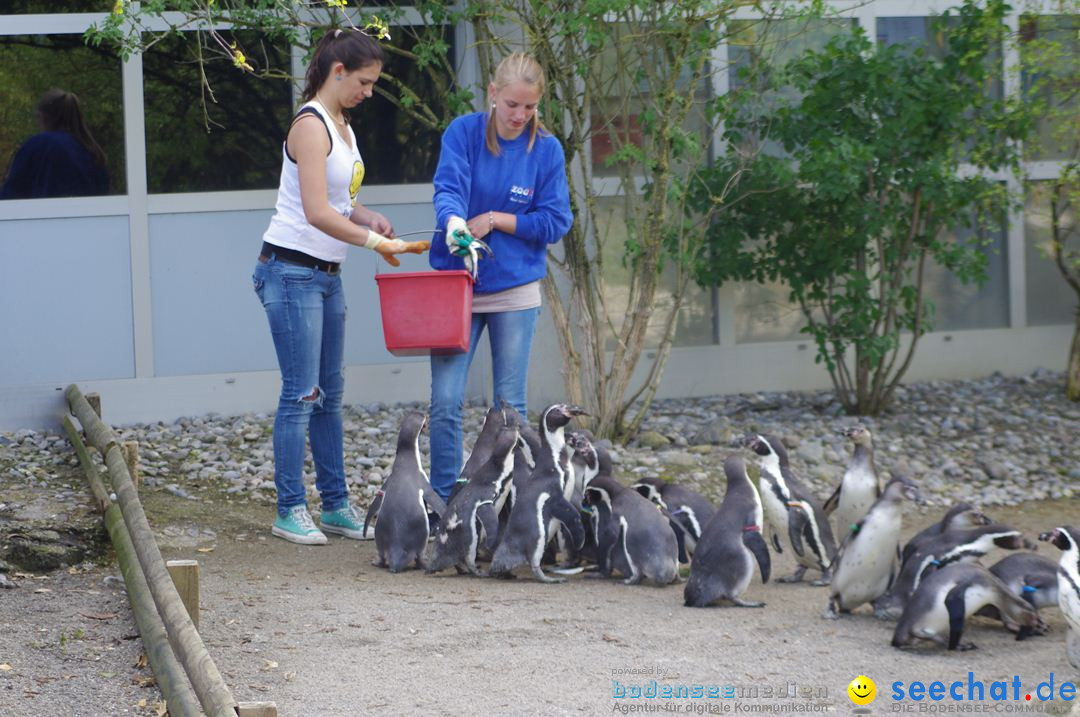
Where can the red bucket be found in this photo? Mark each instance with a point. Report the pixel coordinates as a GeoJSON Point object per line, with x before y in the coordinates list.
{"type": "Point", "coordinates": [426, 312]}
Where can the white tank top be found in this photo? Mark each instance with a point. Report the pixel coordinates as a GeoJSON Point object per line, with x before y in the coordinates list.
{"type": "Point", "coordinates": [289, 227]}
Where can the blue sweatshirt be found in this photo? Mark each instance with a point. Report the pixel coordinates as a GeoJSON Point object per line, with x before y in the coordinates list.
{"type": "Point", "coordinates": [470, 180]}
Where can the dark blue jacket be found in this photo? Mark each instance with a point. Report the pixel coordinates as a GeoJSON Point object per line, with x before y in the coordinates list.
{"type": "Point", "coordinates": [54, 164]}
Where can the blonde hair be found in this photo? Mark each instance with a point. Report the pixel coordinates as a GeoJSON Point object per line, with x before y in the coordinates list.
{"type": "Point", "coordinates": [518, 67]}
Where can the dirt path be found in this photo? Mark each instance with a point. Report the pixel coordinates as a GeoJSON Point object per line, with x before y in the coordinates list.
{"type": "Point", "coordinates": [320, 631]}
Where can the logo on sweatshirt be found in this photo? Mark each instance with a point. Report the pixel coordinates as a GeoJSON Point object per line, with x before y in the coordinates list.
{"type": "Point", "coordinates": [522, 195]}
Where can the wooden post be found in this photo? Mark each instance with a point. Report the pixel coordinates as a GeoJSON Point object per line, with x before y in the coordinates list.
{"type": "Point", "coordinates": [95, 402]}
{"type": "Point", "coordinates": [131, 457]}
{"type": "Point", "coordinates": [257, 709]}
{"type": "Point", "coordinates": [185, 576]}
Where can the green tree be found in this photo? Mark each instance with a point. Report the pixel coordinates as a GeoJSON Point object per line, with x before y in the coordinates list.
{"type": "Point", "coordinates": [867, 193]}
{"type": "Point", "coordinates": [1049, 50]}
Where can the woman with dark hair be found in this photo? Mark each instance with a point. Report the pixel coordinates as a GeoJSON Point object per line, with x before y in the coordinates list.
{"type": "Point", "coordinates": [298, 280]}
{"type": "Point", "coordinates": [61, 161]}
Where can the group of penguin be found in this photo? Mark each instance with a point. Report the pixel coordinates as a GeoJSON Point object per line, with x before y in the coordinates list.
{"type": "Point", "coordinates": [530, 495]}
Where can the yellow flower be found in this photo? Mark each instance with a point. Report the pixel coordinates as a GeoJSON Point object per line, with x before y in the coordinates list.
{"type": "Point", "coordinates": [118, 7]}
{"type": "Point", "coordinates": [337, 3]}
{"type": "Point", "coordinates": [240, 60]}
{"type": "Point", "coordinates": [377, 28]}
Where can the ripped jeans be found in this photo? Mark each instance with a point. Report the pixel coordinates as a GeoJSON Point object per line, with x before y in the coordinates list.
{"type": "Point", "coordinates": [306, 309]}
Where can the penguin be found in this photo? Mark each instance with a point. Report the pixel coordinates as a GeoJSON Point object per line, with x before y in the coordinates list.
{"type": "Point", "coordinates": [859, 487]}
{"type": "Point", "coordinates": [632, 535]}
{"type": "Point", "coordinates": [792, 512]}
{"type": "Point", "coordinates": [472, 508]}
{"type": "Point", "coordinates": [866, 562]}
{"type": "Point", "coordinates": [691, 509]}
{"type": "Point", "coordinates": [938, 609]}
{"type": "Point", "coordinates": [494, 421]}
{"type": "Point", "coordinates": [538, 501]}
{"type": "Point", "coordinates": [961, 515]}
{"type": "Point", "coordinates": [730, 542]}
{"type": "Point", "coordinates": [952, 546]}
{"type": "Point", "coordinates": [1029, 576]}
{"type": "Point", "coordinates": [1067, 539]}
{"type": "Point", "coordinates": [586, 464]}
{"type": "Point", "coordinates": [402, 529]}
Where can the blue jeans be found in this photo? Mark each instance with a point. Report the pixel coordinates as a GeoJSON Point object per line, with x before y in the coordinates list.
{"type": "Point", "coordinates": [511, 335]}
{"type": "Point", "coordinates": [306, 309]}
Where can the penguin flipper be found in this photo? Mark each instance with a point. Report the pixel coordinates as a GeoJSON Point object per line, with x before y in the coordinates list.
{"type": "Point", "coordinates": [833, 501]}
{"type": "Point", "coordinates": [434, 501]}
{"type": "Point", "coordinates": [954, 605]}
{"type": "Point", "coordinates": [566, 514]}
{"type": "Point", "coordinates": [680, 535]}
{"type": "Point", "coordinates": [797, 522]}
{"type": "Point", "coordinates": [756, 544]}
{"type": "Point", "coordinates": [606, 537]}
{"type": "Point", "coordinates": [373, 510]}
{"type": "Point", "coordinates": [776, 542]}
{"type": "Point", "coordinates": [485, 513]}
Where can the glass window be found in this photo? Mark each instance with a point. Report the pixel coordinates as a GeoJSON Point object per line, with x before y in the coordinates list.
{"type": "Point", "coordinates": [621, 92]}
{"type": "Point", "coordinates": [695, 320]}
{"type": "Point", "coordinates": [225, 138]}
{"type": "Point", "coordinates": [30, 65]}
{"type": "Point", "coordinates": [764, 313]}
{"type": "Point", "coordinates": [25, 7]}
{"type": "Point", "coordinates": [397, 147]}
{"type": "Point", "coordinates": [757, 48]}
{"type": "Point", "coordinates": [970, 306]}
{"type": "Point", "coordinates": [1050, 51]}
{"type": "Point", "coordinates": [1049, 299]}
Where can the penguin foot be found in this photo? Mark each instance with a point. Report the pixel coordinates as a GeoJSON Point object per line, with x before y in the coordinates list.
{"type": "Point", "coordinates": [966, 646]}
{"type": "Point", "coordinates": [546, 578]}
{"type": "Point", "coordinates": [744, 603]}
{"type": "Point", "coordinates": [830, 611]}
{"type": "Point", "coordinates": [822, 581]}
{"type": "Point", "coordinates": [794, 578]}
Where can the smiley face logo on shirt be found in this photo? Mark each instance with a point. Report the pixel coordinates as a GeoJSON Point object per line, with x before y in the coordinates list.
{"type": "Point", "coordinates": [357, 180]}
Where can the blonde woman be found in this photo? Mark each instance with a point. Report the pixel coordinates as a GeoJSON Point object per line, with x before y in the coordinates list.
{"type": "Point", "coordinates": [501, 178]}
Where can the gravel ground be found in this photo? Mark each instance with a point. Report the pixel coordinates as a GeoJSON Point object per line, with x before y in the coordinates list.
{"type": "Point", "coordinates": [275, 616]}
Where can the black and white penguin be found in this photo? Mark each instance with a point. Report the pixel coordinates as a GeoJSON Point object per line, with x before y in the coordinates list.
{"type": "Point", "coordinates": [730, 543]}
{"type": "Point", "coordinates": [938, 609]}
{"type": "Point", "coordinates": [401, 532]}
{"type": "Point", "coordinates": [632, 535]}
{"type": "Point", "coordinates": [691, 509]}
{"type": "Point", "coordinates": [868, 559]}
{"type": "Point", "coordinates": [1029, 576]}
{"type": "Point", "coordinates": [859, 487]}
{"type": "Point", "coordinates": [952, 546]}
{"type": "Point", "coordinates": [961, 515]}
{"type": "Point", "coordinates": [539, 500]}
{"type": "Point", "coordinates": [586, 464]}
{"type": "Point", "coordinates": [1067, 539]}
{"type": "Point", "coordinates": [471, 511]}
{"type": "Point", "coordinates": [494, 421]}
{"type": "Point", "coordinates": [793, 514]}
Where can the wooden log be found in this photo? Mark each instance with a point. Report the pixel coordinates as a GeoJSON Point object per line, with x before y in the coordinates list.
{"type": "Point", "coordinates": [131, 457]}
{"type": "Point", "coordinates": [185, 576]}
{"type": "Point", "coordinates": [215, 697]}
{"type": "Point", "coordinates": [257, 709]}
{"type": "Point", "coordinates": [95, 403]}
{"type": "Point", "coordinates": [168, 673]}
{"type": "Point", "coordinates": [97, 488]}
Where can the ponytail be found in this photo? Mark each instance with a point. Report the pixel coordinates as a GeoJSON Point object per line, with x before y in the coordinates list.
{"type": "Point", "coordinates": [351, 48]}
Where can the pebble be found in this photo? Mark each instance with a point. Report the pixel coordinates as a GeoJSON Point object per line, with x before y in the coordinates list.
{"type": "Point", "coordinates": [992, 441]}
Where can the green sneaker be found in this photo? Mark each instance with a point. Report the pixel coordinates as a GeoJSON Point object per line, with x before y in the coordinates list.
{"type": "Point", "coordinates": [345, 521]}
{"type": "Point", "coordinates": [298, 527]}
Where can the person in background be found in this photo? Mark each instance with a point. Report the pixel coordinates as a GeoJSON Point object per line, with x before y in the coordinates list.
{"type": "Point", "coordinates": [63, 160]}
{"type": "Point", "coordinates": [298, 279]}
{"type": "Point", "coordinates": [501, 178]}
